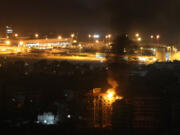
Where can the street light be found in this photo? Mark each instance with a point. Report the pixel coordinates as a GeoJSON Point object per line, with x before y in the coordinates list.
{"type": "Point", "coordinates": [141, 48]}
{"type": "Point", "coordinates": [139, 39]}
{"type": "Point", "coordinates": [158, 36]}
{"type": "Point", "coordinates": [96, 36]}
{"type": "Point", "coordinates": [137, 34]}
{"type": "Point", "coordinates": [16, 35]}
{"type": "Point", "coordinates": [97, 41]}
{"type": "Point", "coordinates": [21, 43]}
{"type": "Point", "coordinates": [59, 37]}
{"type": "Point", "coordinates": [36, 35]}
{"type": "Point", "coordinates": [72, 35]}
{"type": "Point", "coordinates": [74, 41]}
{"type": "Point", "coordinates": [108, 36]}
{"type": "Point", "coordinates": [8, 42]}
{"type": "Point", "coordinates": [89, 35]}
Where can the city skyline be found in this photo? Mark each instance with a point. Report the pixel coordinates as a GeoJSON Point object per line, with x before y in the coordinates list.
{"type": "Point", "coordinates": [101, 67]}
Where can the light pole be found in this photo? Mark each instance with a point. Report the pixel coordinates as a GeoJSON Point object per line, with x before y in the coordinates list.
{"type": "Point", "coordinates": [36, 35]}
{"type": "Point", "coordinates": [158, 37]}
{"type": "Point", "coordinates": [152, 37]}
{"type": "Point", "coordinates": [59, 37]}
{"type": "Point", "coordinates": [141, 51]}
{"type": "Point", "coordinates": [16, 35]}
{"type": "Point", "coordinates": [139, 39]}
{"type": "Point", "coordinates": [137, 35]}
{"type": "Point", "coordinates": [72, 35]}
{"type": "Point", "coordinates": [89, 36]}
{"type": "Point", "coordinates": [108, 37]}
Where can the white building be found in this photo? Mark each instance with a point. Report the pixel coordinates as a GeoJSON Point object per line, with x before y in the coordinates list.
{"type": "Point", "coordinates": [47, 119]}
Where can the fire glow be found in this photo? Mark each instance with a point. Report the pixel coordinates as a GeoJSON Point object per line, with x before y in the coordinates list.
{"type": "Point", "coordinates": [111, 94]}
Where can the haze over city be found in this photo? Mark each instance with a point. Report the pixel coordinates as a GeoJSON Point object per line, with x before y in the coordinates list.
{"type": "Point", "coordinates": [101, 67]}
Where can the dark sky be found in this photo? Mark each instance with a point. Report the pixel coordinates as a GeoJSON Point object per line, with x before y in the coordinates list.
{"type": "Point", "coordinates": [146, 16]}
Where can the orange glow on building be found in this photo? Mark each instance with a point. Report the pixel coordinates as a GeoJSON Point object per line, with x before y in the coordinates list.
{"type": "Point", "coordinates": [101, 111]}
{"type": "Point", "coordinates": [111, 95]}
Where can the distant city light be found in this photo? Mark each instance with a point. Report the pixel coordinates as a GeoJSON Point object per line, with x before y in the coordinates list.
{"type": "Point", "coordinates": [137, 34]}
{"type": "Point", "coordinates": [3, 49]}
{"type": "Point", "coordinates": [89, 36]}
{"type": "Point", "coordinates": [8, 42]}
{"type": "Point", "coordinates": [96, 36]}
{"type": "Point", "coordinates": [154, 59]}
{"type": "Point", "coordinates": [99, 55]}
{"type": "Point", "coordinates": [97, 41]}
{"type": "Point", "coordinates": [21, 43]}
{"type": "Point", "coordinates": [80, 46]}
{"type": "Point", "coordinates": [139, 39]}
{"type": "Point", "coordinates": [59, 37]}
{"type": "Point", "coordinates": [47, 119]}
{"type": "Point", "coordinates": [158, 36]}
{"type": "Point", "coordinates": [16, 35]}
{"type": "Point", "coordinates": [69, 116]}
{"type": "Point", "coordinates": [9, 31]}
{"type": "Point", "coordinates": [72, 35]}
{"type": "Point", "coordinates": [143, 58]}
{"type": "Point", "coordinates": [151, 36]}
{"type": "Point", "coordinates": [108, 36]}
{"type": "Point", "coordinates": [74, 41]}
{"type": "Point", "coordinates": [36, 35]}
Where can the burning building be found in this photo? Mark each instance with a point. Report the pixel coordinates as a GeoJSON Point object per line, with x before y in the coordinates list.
{"type": "Point", "coordinates": [100, 107]}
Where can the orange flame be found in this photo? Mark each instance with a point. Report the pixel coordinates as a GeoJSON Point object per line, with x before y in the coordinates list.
{"type": "Point", "coordinates": [111, 93]}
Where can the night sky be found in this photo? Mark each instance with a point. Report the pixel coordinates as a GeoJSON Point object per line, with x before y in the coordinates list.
{"type": "Point", "coordinates": [145, 16]}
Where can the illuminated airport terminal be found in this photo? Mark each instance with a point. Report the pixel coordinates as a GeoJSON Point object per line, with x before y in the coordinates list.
{"type": "Point", "coordinates": [146, 53]}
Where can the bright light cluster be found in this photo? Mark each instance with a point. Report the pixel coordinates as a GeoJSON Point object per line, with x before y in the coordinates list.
{"type": "Point", "coordinates": [61, 44]}
{"type": "Point", "coordinates": [47, 119]}
{"type": "Point", "coordinates": [96, 36]}
{"type": "Point", "coordinates": [146, 59]}
{"type": "Point", "coordinates": [112, 96]}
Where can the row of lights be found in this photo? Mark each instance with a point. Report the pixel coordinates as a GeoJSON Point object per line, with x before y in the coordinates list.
{"type": "Point", "coordinates": [15, 35]}
{"type": "Point", "coordinates": [98, 36]}
{"type": "Point", "coordinates": [95, 36]}
{"type": "Point", "coordinates": [137, 35]}
{"type": "Point", "coordinates": [36, 36]}
{"type": "Point", "coordinates": [59, 37]}
{"type": "Point", "coordinates": [157, 36]}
